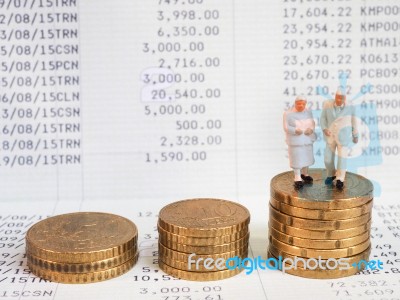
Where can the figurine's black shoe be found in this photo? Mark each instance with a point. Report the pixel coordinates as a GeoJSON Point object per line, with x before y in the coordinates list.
{"type": "Point", "coordinates": [307, 179]}
{"type": "Point", "coordinates": [339, 184]}
{"type": "Point", "coordinates": [298, 184]}
{"type": "Point", "coordinates": [329, 180]}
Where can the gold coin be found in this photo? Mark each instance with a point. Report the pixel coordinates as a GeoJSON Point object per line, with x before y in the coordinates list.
{"type": "Point", "coordinates": [321, 214]}
{"type": "Point", "coordinates": [315, 253]}
{"type": "Point", "coordinates": [83, 277]}
{"type": "Point", "coordinates": [357, 191]}
{"type": "Point", "coordinates": [320, 224]}
{"type": "Point", "coordinates": [200, 241]}
{"type": "Point", "coordinates": [204, 217]}
{"type": "Point", "coordinates": [198, 276]}
{"type": "Point", "coordinates": [82, 267]}
{"type": "Point", "coordinates": [186, 266]}
{"type": "Point", "coordinates": [319, 244]}
{"type": "Point", "coordinates": [207, 249]}
{"type": "Point", "coordinates": [322, 274]}
{"type": "Point", "coordinates": [350, 259]}
{"type": "Point", "coordinates": [81, 237]}
{"type": "Point", "coordinates": [184, 257]}
{"type": "Point", "coordinates": [319, 234]}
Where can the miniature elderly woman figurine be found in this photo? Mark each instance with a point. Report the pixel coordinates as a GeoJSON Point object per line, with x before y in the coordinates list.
{"type": "Point", "coordinates": [299, 127]}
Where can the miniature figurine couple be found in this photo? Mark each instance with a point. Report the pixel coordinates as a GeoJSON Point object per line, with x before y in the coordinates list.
{"type": "Point", "coordinates": [339, 126]}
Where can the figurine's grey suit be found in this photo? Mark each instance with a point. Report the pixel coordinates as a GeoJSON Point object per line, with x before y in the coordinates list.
{"type": "Point", "coordinates": [341, 122]}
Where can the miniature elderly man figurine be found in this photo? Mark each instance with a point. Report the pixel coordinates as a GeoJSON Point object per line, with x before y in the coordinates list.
{"type": "Point", "coordinates": [339, 125]}
{"type": "Point", "coordinates": [299, 127]}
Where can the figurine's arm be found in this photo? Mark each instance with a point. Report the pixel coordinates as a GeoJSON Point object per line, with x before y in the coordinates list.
{"type": "Point", "coordinates": [287, 127]}
{"type": "Point", "coordinates": [310, 115]}
{"type": "Point", "coordinates": [310, 129]}
{"type": "Point", "coordinates": [354, 125]}
{"type": "Point", "coordinates": [324, 120]}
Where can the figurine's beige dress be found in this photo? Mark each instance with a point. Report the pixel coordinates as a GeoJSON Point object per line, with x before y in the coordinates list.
{"type": "Point", "coordinates": [300, 146]}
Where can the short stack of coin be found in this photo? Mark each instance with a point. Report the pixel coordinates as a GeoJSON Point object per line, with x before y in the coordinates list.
{"type": "Point", "coordinates": [212, 229]}
{"type": "Point", "coordinates": [320, 221]}
{"type": "Point", "coordinates": [82, 247]}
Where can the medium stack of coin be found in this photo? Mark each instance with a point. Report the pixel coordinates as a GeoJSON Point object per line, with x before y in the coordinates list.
{"type": "Point", "coordinates": [321, 222]}
{"type": "Point", "coordinates": [197, 236]}
{"type": "Point", "coordinates": [82, 247]}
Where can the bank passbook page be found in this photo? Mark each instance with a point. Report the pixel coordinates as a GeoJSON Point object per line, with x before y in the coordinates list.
{"type": "Point", "coordinates": [125, 106]}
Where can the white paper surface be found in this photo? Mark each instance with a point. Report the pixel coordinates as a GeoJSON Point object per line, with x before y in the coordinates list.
{"type": "Point", "coordinates": [125, 106]}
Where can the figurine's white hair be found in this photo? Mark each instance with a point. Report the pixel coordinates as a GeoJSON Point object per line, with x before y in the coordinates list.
{"type": "Point", "coordinates": [301, 98]}
{"type": "Point", "coordinates": [341, 91]}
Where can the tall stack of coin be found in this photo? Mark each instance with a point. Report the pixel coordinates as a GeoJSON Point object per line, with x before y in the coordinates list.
{"type": "Point", "coordinates": [82, 247]}
{"type": "Point", "coordinates": [319, 221]}
{"type": "Point", "coordinates": [197, 236]}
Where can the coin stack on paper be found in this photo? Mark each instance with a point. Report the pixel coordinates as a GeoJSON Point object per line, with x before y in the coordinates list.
{"type": "Point", "coordinates": [320, 222]}
{"type": "Point", "coordinates": [198, 236]}
{"type": "Point", "coordinates": [82, 247]}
